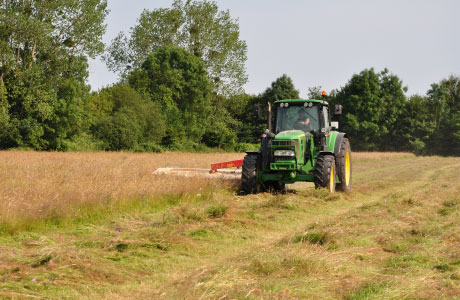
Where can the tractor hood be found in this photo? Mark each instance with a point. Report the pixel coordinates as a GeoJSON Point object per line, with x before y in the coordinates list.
{"type": "Point", "coordinates": [290, 135]}
{"type": "Point", "coordinates": [291, 139]}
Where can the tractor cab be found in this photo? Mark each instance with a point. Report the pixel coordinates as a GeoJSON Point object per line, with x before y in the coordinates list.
{"type": "Point", "coordinates": [306, 115]}
{"type": "Point", "coordinates": [301, 130]}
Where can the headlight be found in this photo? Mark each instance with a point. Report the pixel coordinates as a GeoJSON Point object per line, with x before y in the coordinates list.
{"type": "Point", "coordinates": [284, 153]}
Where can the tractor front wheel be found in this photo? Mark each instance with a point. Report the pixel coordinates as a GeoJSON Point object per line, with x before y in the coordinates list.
{"type": "Point", "coordinates": [325, 172]}
{"type": "Point", "coordinates": [344, 166]}
{"type": "Point", "coordinates": [251, 165]}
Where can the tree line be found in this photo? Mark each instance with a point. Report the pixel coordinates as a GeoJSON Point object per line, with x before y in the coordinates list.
{"type": "Point", "coordinates": [181, 86]}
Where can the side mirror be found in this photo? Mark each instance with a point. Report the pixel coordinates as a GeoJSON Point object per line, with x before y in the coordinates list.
{"type": "Point", "coordinates": [338, 109]}
{"type": "Point", "coordinates": [335, 125]}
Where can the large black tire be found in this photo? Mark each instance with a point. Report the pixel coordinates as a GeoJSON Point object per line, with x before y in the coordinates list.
{"type": "Point", "coordinates": [325, 172]}
{"type": "Point", "coordinates": [251, 165]}
{"type": "Point", "coordinates": [344, 170]}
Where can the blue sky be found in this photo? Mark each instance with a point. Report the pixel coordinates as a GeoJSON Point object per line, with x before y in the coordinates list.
{"type": "Point", "coordinates": [323, 43]}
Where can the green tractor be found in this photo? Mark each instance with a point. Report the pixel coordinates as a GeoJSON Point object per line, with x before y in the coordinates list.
{"type": "Point", "coordinates": [304, 146]}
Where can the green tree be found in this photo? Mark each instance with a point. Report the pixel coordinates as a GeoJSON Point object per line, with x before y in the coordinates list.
{"type": "Point", "coordinates": [445, 103]}
{"type": "Point", "coordinates": [123, 131]}
{"type": "Point", "coordinates": [43, 49]}
{"type": "Point", "coordinates": [122, 118]}
{"type": "Point", "coordinates": [373, 103]}
{"type": "Point", "coordinates": [416, 125]}
{"type": "Point", "coordinates": [177, 81]}
{"type": "Point", "coordinates": [4, 112]}
{"type": "Point", "coordinates": [197, 26]}
{"type": "Point", "coordinates": [315, 92]}
{"type": "Point", "coordinates": [281, 88]}
{"type": "Point", "coordinates": [224, 121]}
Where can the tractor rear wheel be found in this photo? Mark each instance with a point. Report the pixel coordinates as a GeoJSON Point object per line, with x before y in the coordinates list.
{"type": "Point", "coordinates": [343, 162]}
{"type": "Point", "coordinates": [325, 172]}
{"type": "Point", "coordinates": [251, 165]}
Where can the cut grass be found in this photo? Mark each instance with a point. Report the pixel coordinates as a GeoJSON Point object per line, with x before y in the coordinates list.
{"type": "Point", "coordinates": [369, 290]}
{"type": "Point", "coordinates": [318, 238]}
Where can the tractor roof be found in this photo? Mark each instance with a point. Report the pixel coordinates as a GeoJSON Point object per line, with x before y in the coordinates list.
{"type": "Point", "coordinates": [302, 100]}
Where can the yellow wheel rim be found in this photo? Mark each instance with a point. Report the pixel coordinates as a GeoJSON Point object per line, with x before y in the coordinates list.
{"type": "Point", "coordinates": [331, 180]}
{"type": "Point", "coordinates": [347, 169]}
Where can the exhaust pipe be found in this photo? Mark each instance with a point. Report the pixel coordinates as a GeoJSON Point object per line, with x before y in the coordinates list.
{"type": "Point", "coordinates": [269, 117]}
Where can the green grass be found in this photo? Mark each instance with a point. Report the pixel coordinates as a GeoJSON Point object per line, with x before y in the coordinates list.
{"type": "Point", "coordinates": [369, 290]}
{"type": "Point", "coordinates": [217, 211]}
{"type": "Point", "coordinates": [318, 238]}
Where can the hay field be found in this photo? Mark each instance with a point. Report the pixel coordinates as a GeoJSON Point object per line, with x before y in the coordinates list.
{"type": "Point", "coordinates": [395, 236]}
{"type": "Point", "coordinates": [46, 184]}
{"type": "Point", "coordinates": [43, 184]}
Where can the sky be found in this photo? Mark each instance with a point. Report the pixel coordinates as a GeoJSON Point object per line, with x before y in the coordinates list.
{"type": "Point", "coordinates": [323, 43]}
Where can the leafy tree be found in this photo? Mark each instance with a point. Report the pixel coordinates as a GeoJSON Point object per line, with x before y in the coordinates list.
{"type": "Point", "coordinates": [177, 81]}
{"type": "Point", "coordinates": [123, 132]}
{"type": "Point", "coordinates": [281, 88]}
{"type": "Point", "coordinates": [373, 103]}
{"type": "Point", "coordinates": [4, 113]}
{"type": "Point", "coordinates": [124, 119]}
{"type": "Point", "coordinates": [197, 26]}
{"type": "Point", "coordinates": [224, 121]}
{"type": "Point", "coordinates": [445, 102]}
{"type": "Point", "coordinates": [416, 125]}
{"type": "Point", "coordinates": [43, 48]}
{"type": "Point", "coordinates": [315, 92]}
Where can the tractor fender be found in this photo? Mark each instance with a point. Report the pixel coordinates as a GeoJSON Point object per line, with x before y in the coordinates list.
{"type": "Point", "coordinates": [325, 153]}
{"type": "Point", "coordinates": [338, 142]}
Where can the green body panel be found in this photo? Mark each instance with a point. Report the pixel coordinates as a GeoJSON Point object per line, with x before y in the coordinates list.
{"type": "Point", "coordinates": [301, 167]}
{"type": "Point", "coordinates": [299, 137]}
{"type": "Point", "coordinates": [289, 135]}
{"type": "Point", "coordinates": [330, 140]}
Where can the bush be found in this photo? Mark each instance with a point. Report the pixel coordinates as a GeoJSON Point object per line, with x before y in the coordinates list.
{"type": "Point", "coordinates": [124, 119]}
{"type": "Point", "coordinates": [149, 147]}
{"type": "Point", "coordinates": [242, 147]}
{"type": "Point", "coordinates": [83, 142]}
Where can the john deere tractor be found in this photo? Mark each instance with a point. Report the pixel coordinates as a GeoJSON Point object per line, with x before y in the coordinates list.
{"type": "Point", "coordinates": [303, 146]}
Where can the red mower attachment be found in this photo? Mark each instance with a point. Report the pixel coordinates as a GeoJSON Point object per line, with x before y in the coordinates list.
{"type": "Point", "coordinates": [217, 171]}
{"type": "Point", "coordinates": [226, 164]}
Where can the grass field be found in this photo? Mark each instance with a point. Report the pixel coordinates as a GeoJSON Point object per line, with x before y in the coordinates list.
{"type": "Point", "coordinates": [100, 226]}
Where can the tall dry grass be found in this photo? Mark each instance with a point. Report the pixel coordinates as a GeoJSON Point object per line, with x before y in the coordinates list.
{"type": "Point", "coordinates": [366, 156]}
{"type": "Point", "coordinates": [44, 184]}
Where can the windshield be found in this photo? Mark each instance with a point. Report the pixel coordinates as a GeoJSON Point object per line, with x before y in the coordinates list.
{"type": "Point", "coordinates": [297, 117]}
